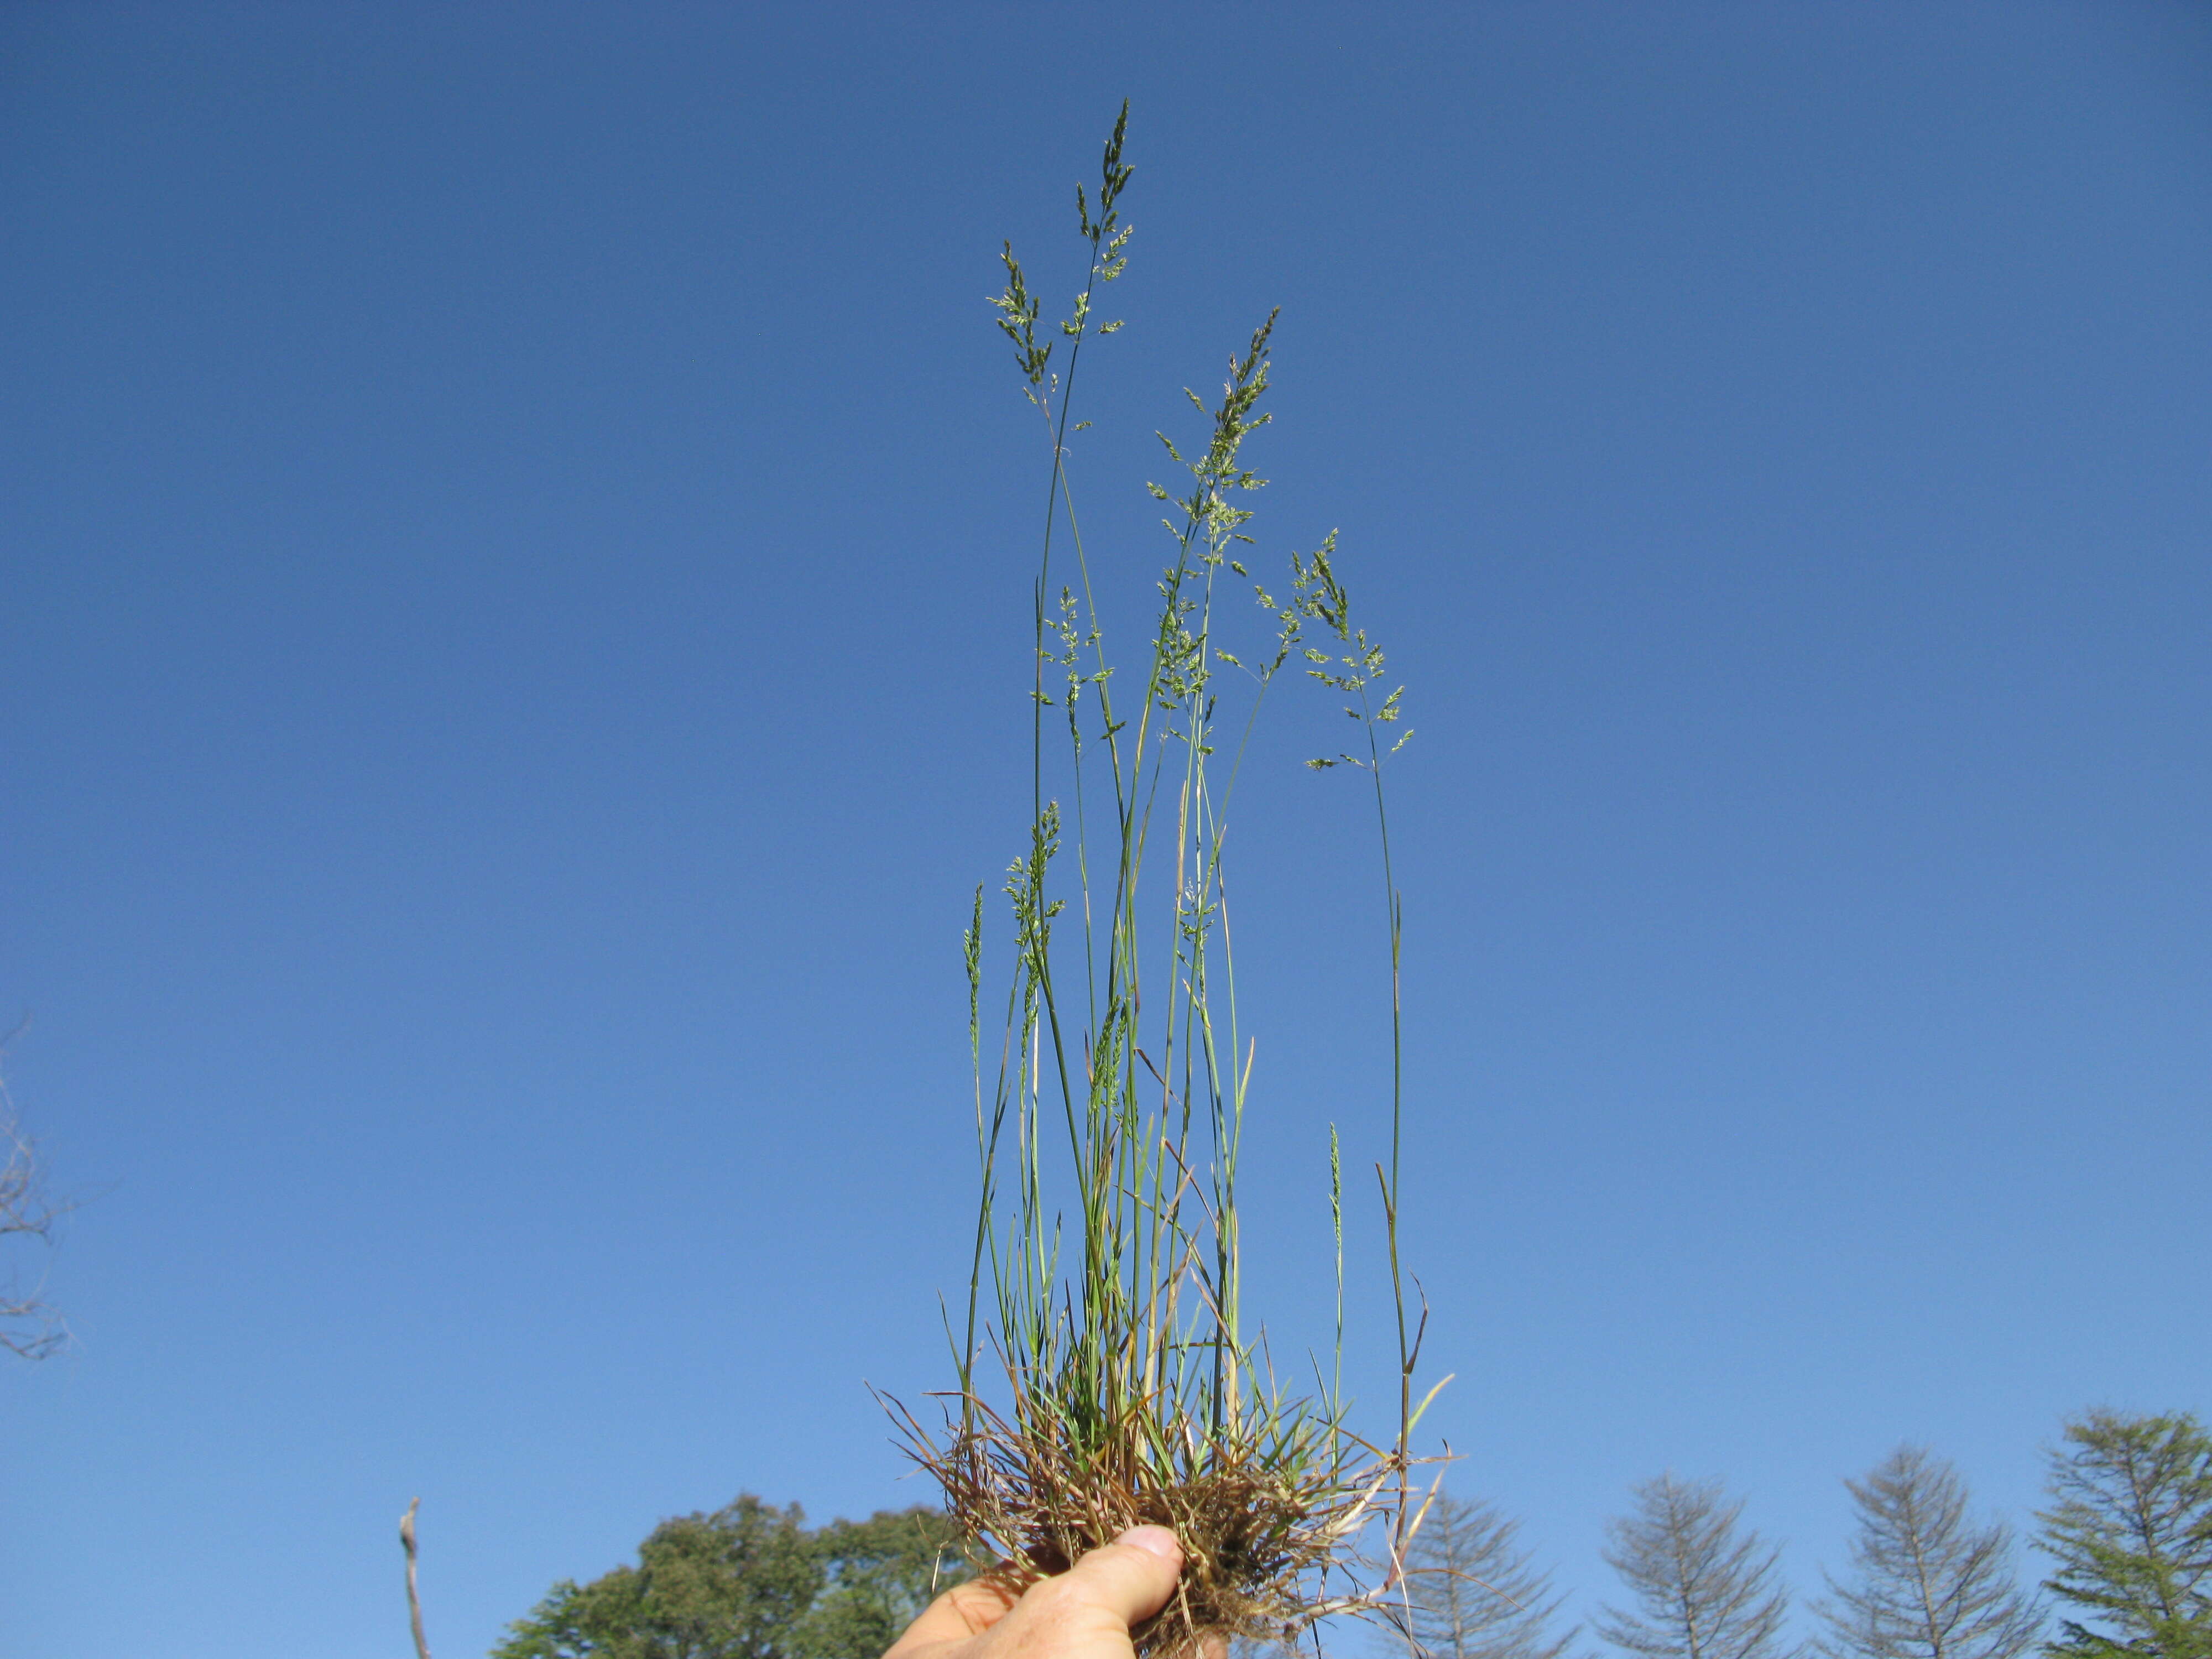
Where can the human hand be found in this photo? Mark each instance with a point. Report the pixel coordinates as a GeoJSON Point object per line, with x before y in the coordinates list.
{"type": "Point", "coordinates": [1084, 1613]}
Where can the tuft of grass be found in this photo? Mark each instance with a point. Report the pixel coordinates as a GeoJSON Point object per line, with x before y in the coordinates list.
{"type": "Point", "coordinates": [1107, 1377]}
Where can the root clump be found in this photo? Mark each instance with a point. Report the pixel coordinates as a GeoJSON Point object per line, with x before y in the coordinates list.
{"type": "Point", "coordinates": [1257, 1532]}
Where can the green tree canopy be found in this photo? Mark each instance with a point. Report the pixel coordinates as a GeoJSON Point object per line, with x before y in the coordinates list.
{"type": "Point", "coordinates": [2130, 1526]}
{"type": "Point", "coordinates": [877, 1574]}
{"type": "Point", "coordinates": [750, 1582]}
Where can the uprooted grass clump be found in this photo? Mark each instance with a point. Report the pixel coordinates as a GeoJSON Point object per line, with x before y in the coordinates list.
{"type": "Point", "coordinates": [1252, 1537]}
{"type": "Point", "coordinates": [1132, 1391]}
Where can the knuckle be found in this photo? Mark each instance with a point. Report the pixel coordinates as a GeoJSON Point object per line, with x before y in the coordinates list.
{"type": "Point", "coordinates": [1048, 1599]}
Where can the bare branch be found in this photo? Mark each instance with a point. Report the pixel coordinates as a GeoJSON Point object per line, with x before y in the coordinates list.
{"type": "Point", "coordinates": [414, 1600]}
{"type": "Point", "coordinates": [1475, 1593]}
{"type": "Point", "coordinates": [1925, 1582]}
{"type": "Point", "coordinates": [29, 1326]}
{"type": "Point", "coordinates": [1706, 1590]}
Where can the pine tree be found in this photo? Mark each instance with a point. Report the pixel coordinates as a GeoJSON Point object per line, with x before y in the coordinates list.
{"type": "Point", "coordinates": [1925, 1582]}
{"type": "Point", "coordinates": [1475, 1593]}
{"type": "Point", "coordinates": [2130, 1527]}
{"type": "Point", "coordinates": [1705, 1591]}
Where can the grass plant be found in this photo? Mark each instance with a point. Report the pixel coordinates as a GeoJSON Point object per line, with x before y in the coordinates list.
{"type": "Point", "coordinates": [1108, 1375]}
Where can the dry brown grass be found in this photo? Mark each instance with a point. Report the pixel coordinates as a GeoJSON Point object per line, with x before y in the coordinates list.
{"type": "Point", "coordinates": [1270, 1534]}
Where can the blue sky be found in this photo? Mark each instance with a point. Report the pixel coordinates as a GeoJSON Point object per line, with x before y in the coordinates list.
{"type": "Point", "coordinates": [517, 528]}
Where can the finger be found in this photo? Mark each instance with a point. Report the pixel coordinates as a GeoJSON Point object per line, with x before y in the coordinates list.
{"type": "Point", "coordinates": [1130, 1578]}
{"type": "Point", "coordinates": [963, 1611]}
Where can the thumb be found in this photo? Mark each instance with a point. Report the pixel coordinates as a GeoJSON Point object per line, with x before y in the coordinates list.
{"type": "Point", "coordinates": [1131, 1577]}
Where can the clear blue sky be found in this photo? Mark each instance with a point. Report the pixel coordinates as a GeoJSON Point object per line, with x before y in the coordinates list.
{"type": "Point", "coordinates": [517, 530]}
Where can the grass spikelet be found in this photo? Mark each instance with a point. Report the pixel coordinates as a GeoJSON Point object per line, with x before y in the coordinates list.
{"type": "Point", "coordinates": [1106, 1375]}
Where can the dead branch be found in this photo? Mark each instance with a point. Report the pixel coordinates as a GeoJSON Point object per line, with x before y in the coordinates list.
{"type": "Point", "coordinates": [414, 1600]}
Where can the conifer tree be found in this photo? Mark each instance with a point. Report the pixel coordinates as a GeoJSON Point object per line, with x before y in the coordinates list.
{"type": "Point", "coordinates": [1475, 1593]}
{"type": "Point", "coordinates": [1925, 1582]}
{"type": "Point", "coordinates": [1704, 1589]}
{"type": "Point", "coordinates": [2130, 1527]}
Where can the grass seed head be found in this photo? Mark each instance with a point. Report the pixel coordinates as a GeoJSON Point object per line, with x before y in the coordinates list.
{"type": "Point", "coordinates": [1133, 1393]}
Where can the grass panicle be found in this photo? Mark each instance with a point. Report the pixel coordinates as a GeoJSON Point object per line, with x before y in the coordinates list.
{"type": "Point", "coordinates": [1107, 1377]}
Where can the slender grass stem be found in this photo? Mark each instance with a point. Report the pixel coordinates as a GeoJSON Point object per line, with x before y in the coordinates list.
{"type": "Point", "coordinates": [1134, 1389]}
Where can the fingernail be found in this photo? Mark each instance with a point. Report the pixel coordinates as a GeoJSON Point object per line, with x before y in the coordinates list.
{"type": "Point", "coordinates": [1154, 1540]}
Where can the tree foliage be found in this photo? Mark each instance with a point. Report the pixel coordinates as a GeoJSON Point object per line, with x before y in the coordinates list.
{"type": "Point", "coordinates": [1925, 1582]}
{"type": "Point", "coordinates": [1703, 1590]}
{"type": "Point", "coordinates": [749, 1582]}
{"type": "Point", "coordinates": [2130, 1527]}
{"type": "Point", "coordinates": [877, 1575]}
{"type": "Point", "coordinates": [1475, 1593]}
